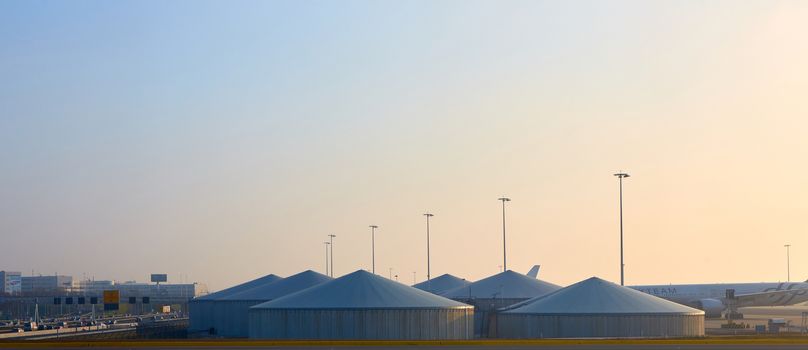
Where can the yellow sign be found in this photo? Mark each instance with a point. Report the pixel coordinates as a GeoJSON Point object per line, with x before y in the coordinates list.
{"type": "Point", "coordinates": [112, 296]}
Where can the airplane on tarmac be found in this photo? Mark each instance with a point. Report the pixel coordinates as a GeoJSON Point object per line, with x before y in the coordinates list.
{"type": "Point", "coordinates": [716, 299]}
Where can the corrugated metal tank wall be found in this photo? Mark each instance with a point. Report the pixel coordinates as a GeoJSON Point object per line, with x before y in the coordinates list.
{"type": "Point", "coordinates": [404, 324]}
{"type": "Point", "coordinates": [201, 310]}
{"type": "Point", "coordinates": [201, 317]}
{"type": "Point", "coordinates": [599, 326]}
{"type": "Point", "coordinates": [230, 317]}
{"type": "Point", "coordinates": [484, 310]}
{"type": "Point", "coordinates": [227, 318]}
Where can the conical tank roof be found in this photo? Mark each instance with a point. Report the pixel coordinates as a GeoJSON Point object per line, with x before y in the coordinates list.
{"type": "Point", "coordinates": [597, 296]}
{"type": "Point", "coordinates": [241, 287]}
{"type": "Point", "coordinates": [504, 285]}
{"type": "Point", "coordinates": [281, 287]}
{"type": "Point", "coordinates": [361, 290]}
{"type": "Point", "coordinates": [442, 284]}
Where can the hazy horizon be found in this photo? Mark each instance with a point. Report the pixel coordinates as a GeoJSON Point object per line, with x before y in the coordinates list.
{"type": "Point", "coordinates": [224, 140]}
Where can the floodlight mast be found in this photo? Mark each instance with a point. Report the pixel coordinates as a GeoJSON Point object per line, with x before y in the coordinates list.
{"type": "Point", "coordinates": [326, 258]}
{"type": "Point", "coordinates": [620, 177]}
{"type": "Point", "coordinates": [788, 262]}
{"type": "Point", "coordinates": [331, 243]}
{"type": "Point", "coordinates": [504, 253]}
{"type": "Point", "coordinates": [428, 271]}
{"type": "Point", "coordinates": [373, 247]}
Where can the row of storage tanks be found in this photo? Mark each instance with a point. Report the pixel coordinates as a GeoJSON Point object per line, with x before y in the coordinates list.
{"type": "Point", "coordinates": [362, 305]}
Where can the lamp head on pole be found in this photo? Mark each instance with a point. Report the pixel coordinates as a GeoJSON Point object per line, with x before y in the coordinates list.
{"type": "Point", "coordinates": [622, 175]}
{"type": "Point", "coordinates": [429, 215]}
{"type": "Point", "coordinates": [373, 226]}
{"type": "Point", "coordinates": [332, 236]}
{"type": "Point", "coordinates": [504, 199]}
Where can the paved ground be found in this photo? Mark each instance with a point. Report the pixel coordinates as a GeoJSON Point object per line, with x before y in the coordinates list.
{"type": "Point", "coordinates": [490, 347]}
{"type": "Point", "coordinates": [760, 316]}
{"type": "Point", "coordinates": [753, 316]}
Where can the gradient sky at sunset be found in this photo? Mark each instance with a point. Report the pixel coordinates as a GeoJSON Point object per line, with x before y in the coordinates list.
{"type": "Point", "coordinates": [224, 140]}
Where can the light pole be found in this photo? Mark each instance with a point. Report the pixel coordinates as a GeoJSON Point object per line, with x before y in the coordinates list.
{"type": "Point", "coordinates": [326, 258]}
{"type": "Point", "coordinates": [331, 243]}
{"type": "Point", "coordinates": [620, 177]}
{"type": "Point", "coordinates": [428, 275]}
{"type": "Point", "coordinates": [504, 255]}
{"type": "Point", "coordinates": [788, 262]}
{"type": "Point", "coordinates": [373, 247]}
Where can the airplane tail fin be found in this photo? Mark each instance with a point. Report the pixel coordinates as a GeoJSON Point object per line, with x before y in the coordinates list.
{"type": "Point", "coordinates": [534, 272]}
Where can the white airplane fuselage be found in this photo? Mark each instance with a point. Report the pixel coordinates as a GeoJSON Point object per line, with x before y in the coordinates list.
{"type": "Point", "coordinates": [702, 295]}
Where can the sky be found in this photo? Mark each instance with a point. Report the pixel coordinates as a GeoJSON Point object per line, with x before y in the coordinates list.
{"type": "Point", "coordinates": [220, 141]}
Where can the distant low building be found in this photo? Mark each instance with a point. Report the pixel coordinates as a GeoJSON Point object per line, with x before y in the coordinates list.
{"type": "Point", "coordinates": [46, 285]}
{"type": "Point", "coordinates": [135, 289]}
{"type": "Point", "coordinates": [10, 283]}
{"type": "Point", "coordinates": [92, 287]}
{"type": "Point", "coordinates": [184, 291]}
{"type": "Point", "coordinates": [57, 295]}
